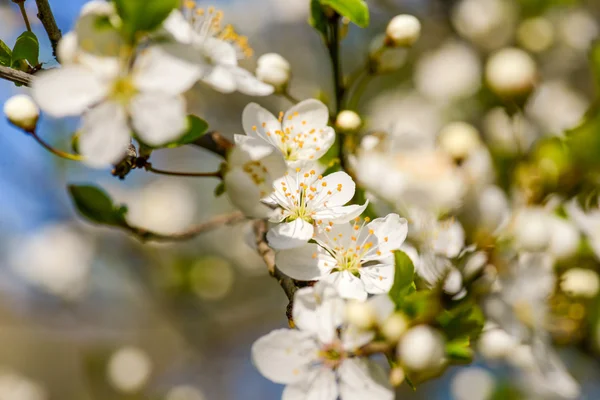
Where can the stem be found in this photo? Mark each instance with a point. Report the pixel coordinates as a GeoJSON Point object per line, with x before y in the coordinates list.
{"type": "Point", "coordinates": [216, 174]}
{"type": "Point", "coordinates": [291, 98]}
{"type": "Point", "coordinates": [16, 76]}
{"type": "Point", "coordinates": [361, 85]}
{"type": "Point", "coordinates": [24, 14]}
{"type": "Point", "coordinates": [333, 46]}
{"type": "Point", "coordinates": [47, 18]}
{"type": "Point", "coordinates": [59, 153]}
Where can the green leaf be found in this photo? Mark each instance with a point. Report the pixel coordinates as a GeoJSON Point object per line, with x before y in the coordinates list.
{"type": "Point", "coordinates": [465, 321]}
{"type": "Point", "coordinates": [97, 206]}
{"type": "Point", "coordinates": [27, 47]}
{"type": "Point", "coordinates": [403, 278]}
{"type": "Point", "coordinates": [356, 11]}
{"type": "Point", "coordinates": [196, 128]}
{"type": "Point", "coordinates": [220, 189]}
{"type": "Point", "coordinates": [143, 15]}
{"type": "Point", "coordinates": [459, 351]}
{"type": "Point", "coordinates": [5, 54]}
{"type": "Point", "coordinates": [318, 19]}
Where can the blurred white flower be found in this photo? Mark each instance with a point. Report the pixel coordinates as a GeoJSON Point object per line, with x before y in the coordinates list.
{"type": "Point", "coordinates": [580, 282]}
{"type": "Point", "coordinates": [301, 134]}
{"type": "Point", "coordinates": [459, 139]}
{"type": "Point", "coordinates": [536, 34]}
{"type": "Point", "coordinates": [185, 392]}
{"type": "Point", "coordinates": [587, 221]}
{"type": "Point", "coordinates": [315, 361]}
{"type": "Point", "coordinates": [403, 30]}
{"type": "Point", "coordinates": [164, 206]}
{"type": "Point", "coordinates": [348, 121]}
{"type": "Point", "coordinates": [578, 28]}
{"type": "Point", "coordinates": [56, 258]}
{"type": "Point", "coordinates": [508, 134]}
{"type": "Point", "coordinates": [422, 348]}
{"type": "Point", "coordinates": [146, 95]}
{"type": "Point", "coordinates": [129, 369]}
{"type": "Point", "coordinates": [22, 112]}
{"type": "Point", "coordinates": [487, 23]}
{"type": "Point", "coordinates": [511, 71]}
{"type": "Point", "coordinates": [472, 383]}
{"type": "Point", "coordinates": [14, 386]}
{"type": "Point", "coordinates": [216, 50]}
{"type": "Point", "coordinates": [450, 72]}
{"type": "Point", "coordinates": [496, 344]}
{"type": "Point", "coordinates": [303, 200]}
{"type": "Point", "coordinates": [556, 107]}
{"type": "Point", "coordinates": [532, 229]}
{"type": "Point", "coordinates": [211, 277]}
{"type": "Point", "coordinates": [492, 209]}
{"type": "Point", "coordinates": [356, 259]}
{"type": "Point", "coordinates": [564, 238]}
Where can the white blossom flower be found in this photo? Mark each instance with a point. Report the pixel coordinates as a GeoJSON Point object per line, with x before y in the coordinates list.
{"type": "Point", "coordinates": [252, 168]}
{"type": "Point", "coordinates": [355, 259]}
{"type": "Point", "coordinates": [148, 95]}
{"type": "Point", "coordinates": [301, 134]}
{"type": "Point", "coordinates": [317, 362]}
{"type": "Point", "coordinates": [303, 200]}
{"type": "Point", "coordinates": [215, 50]}
{"type": "Point", "coordinates": [588, 222]}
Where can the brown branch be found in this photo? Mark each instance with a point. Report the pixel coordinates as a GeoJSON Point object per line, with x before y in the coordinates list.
{"type": "Point", "coordinates": [268, 255]}
{"type": "Point", "coordinates": [374, 348]}
{"type": "Point", "coordinates": [212, 224]}
{"type": "Point", "coordinates": [47, 17]}
{"type": "Point", "coordinates": [16, 76]}
{"type": "Point", "coordinates": [215, 142]}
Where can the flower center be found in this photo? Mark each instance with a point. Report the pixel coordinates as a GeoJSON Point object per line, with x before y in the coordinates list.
{"type": "Point", "coordinates": [258, 173]}
{"type": "Point", "coordinates": [332, 354]}
{"type": "Point", "coordinates": [123, 90]}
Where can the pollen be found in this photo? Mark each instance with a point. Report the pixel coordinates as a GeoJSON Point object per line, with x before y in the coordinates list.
{"type": "Point", "coordinates": [371, 231]}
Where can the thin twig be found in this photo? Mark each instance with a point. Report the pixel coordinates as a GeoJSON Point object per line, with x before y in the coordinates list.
{"type": "Point", "coordinates": [210, 225]}
{"type": "Point", "coordinates": [21, 5]}
{"type": "Point", "coordinates": [290, 98]}
{"type": "Point", "coordinates": [56, 152]}
{"type": "Point", "coordinates": [268, 255]}
{"type": "Point", "coordinates": [47, 17]}
{"type": "Point", "coordinates": [215, 174]}
{"type": "Point", "coordinates": [16, 76]}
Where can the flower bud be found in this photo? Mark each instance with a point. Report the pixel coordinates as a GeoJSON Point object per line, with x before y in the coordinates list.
{"type": "Point", "coordinates": [397, 376]}
{"type": "Point", "coordinates": [394, 327]}
{"type": "Point", "coordinates": [511, 72]}
{"type": "Point", "coordinates": [360, 314]}
{"type": "Point", "coordinates": [348, 121]}
{"type": "Point", "coordinates": [580, 282]}
{"type": "Point", "coordinates": [459, 139]}
{"type": "Point", "coordinates": [496, 344]}
{"type": "Point", "coordinates": [273, 69]}
{"type": "Point", "coordinates": [403, 30]}
{"type": "Point", "coordinates": [22, 112]}
{"type": "Point", "coordinates": [422, 349]}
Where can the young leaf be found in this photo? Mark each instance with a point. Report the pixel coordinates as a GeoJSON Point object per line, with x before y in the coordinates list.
{"type": "Point", "coordinates": [27, 47]}
{"type": "Point", "coordinates": [96, 205]}
{"type": "Point", "coordinates": [403, 278]}
{"type": "Point", "coordinates": [458, 351]}
{"type": "Point", "coordinates": [356, 11]}
{"type": "Point", "coordinates": [317, 18]}
{"type": "Point", "coordinates": [143, 15]}
{"type": "Point", "coordinates": [5, 54]}
{"type": "Point", "coordinates": [196, 128]}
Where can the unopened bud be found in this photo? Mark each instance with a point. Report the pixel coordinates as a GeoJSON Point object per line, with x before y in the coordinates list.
{"type": "Point", "coordinates": [496, 344]}
{"type": "Point", "coordinates": [459, 139]}
{"type": "Point", "coordinates": [273, 69]}
{"type": "Point", "coordinates": [397, 376]}
{"type": "Point", "coordinates": [580, 282]}
{"type": "Point", "coordinates": [360, 314]}
{"type": "Point", "coordinates": [511, 72]}
{"type": "Point", "coordinates": [403, 30]}
{"type": "Point", "coordinates": [422, 349]}
{"type": "Point", "coordinates": [394, 327]}
{"type": "Point", "coordinates": [22, 112]}
{"type": "Point", "coordinates": [348, 121]}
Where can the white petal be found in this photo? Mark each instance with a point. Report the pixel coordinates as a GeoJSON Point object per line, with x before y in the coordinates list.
{"type": "Point", "coordinates": [284, 355]}
{"type": "Point", "coordinates": [245, 194]}
{"type": "Point", "coordinates": [342, 187]}
{"type": "Point", "coordinates": [340, 215]}
{"type": "Point", "coordinates": [313, 112]}
{"type": "Point", "coordinates": [158, 119]}
{"type": "Point", "coordinates": [449, 238]}
{"type": "Point", "coordinates": [177, 25]}
{"type": "Point", "coordinates": [378, 278]}
{"type": "Point", "coordinates": [321, 386]}
{"type": "Point", "coordinates": [354, 338]}
{"type": "Point", "coordinates": [290, 234]}
{"type": "Point", "coordinates": [255, 148]}
{"type": "Point", "coordinates": [383, 307]}
{"type": "Point", "coordinates": [390, 231]}
{"type": "Point", "coordinates": [105, 135]}
{"type": "Point", "coordinates": [100, 39]}
{"type": "Point", "coordinates": [316, 144]}
{"type": "Point", "coordinates": [69, 90]}
{"type": "Point", "coordinates": [220, 78]}
{"type": "Point", "coordinates": [363, 379]}
{"type": "Point", "coordinates": [347, 285]}
{"type": "Point", "coordinates": [249, 84]}
{"type": "Point", "coordinates": [319, 309]}
{"type": "Point", "coordinates": [220, 52]}
{"type": "Point", "coordinates": [257, 121]}
{"type": "Point", "coordinates": [157, 70]}
{"type": "Point", "coordinates": [306, 263]}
